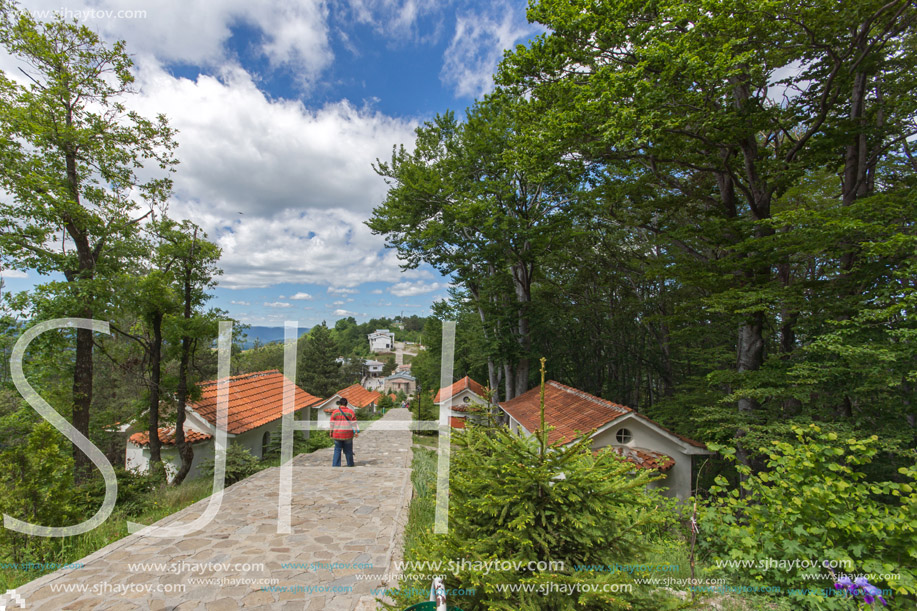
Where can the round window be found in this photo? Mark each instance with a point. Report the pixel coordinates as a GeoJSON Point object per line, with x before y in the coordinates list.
{"type": "Point", "coordinates": [623, 436]}
{"type": "Point", "coordinates": [466, 400]}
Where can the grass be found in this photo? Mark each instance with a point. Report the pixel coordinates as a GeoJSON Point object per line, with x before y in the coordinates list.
{"type": "Point", "coordinates": [155, 505]}
{"type": "Point", "coordinates": [421, 517]}
{"type": "Point", "coordinates": [407, 358]}
{"type": "Point", "coordinates": [426, 440]}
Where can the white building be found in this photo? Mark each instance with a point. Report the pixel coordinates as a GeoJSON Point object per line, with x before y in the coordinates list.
{"type": "Point", "coordinates": [574, 413]}
{"type": "Point", "coordinates": [373, 368]}
{"type": "Point", "coordinates": [459, 399]}
{"type": "Point", "coordinates": [381, 340]}
{"type": "Point", "coordinates": [254, 414]}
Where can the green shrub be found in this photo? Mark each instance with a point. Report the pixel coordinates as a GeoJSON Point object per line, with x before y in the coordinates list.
{"type": "Point", "coordinates": [511, 500]}
{"type": "Point", "coordinates": [811, 503]}
{"type": "Point", "coordinates": [239, 464]}
{"type": "Point", "coordinates": [318, 440]}
{"type": "Point", "coordinates": [385, 402]}
{"type": "Point", "coordinates": [134, 492]}
{"type": "Point", "coordinates": [37, 483]}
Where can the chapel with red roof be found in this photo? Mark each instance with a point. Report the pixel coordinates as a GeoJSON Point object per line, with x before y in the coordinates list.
{"type": "Point", "coordinates": [571, 414]}
{"type": "Point", "coordinates": [254, 412]}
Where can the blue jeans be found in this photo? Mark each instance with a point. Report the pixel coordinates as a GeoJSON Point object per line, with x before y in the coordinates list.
{"type": "Point", "coordinates": [347, 446]}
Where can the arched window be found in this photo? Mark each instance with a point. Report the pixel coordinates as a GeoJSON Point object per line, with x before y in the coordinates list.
{"type": "Point", "coordinates": [623, 436]}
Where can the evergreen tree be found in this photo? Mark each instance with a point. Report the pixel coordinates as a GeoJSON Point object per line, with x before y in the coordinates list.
{"type": "Point", "coordinates": [319, 372]}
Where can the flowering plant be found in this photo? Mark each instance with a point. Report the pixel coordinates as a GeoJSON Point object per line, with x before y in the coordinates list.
{"type": "Point", "coordinates": [858, 586]}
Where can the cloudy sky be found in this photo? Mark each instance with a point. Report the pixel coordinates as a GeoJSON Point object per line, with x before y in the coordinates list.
{"type": "Point", "coordinates": [282, 106]}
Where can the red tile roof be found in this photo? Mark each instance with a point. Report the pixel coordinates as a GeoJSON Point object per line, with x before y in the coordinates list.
{"type": "Point", "coordinates": [356, 396]}
{"type": "Point", "coordinates": [254, 400]}
{"type": "Point", "coordinates": [465, 383]}
{"type": "Point", "coordinates": [570, 411]}
{"type": "Point", "coordinates": [643, 458]}
{"type": "Point", "coordinates": [392, 396]}
{"type": "Point", "coordinates": [167, 436]}
{"type": "Point", "coordinates": [456, 423]}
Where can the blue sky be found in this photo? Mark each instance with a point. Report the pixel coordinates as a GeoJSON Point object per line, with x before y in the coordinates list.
{"type": "Point", "coordinates": [282, 106]}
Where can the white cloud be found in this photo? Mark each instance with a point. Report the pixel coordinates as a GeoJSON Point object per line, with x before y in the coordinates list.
{"type": "Point", "coordinates": [241, 303]}
{"type": "Point", "coordinates": [13, 273]}
{"type": "Point", "coordinates": [345, 313]}
{"type": "Point", "coordinates": [277, 304]}
{"type": "Point", "coordinates": [338, 303]}
{"type": "Point", "coordinates": [410, 289]}
{"type": "Point", "coordinates": [477, 47]}
{"type": "Point", "coordinates": [303, 247]}
{"type": "Point", "coordinates": [376, 292]}
{"type": "Point", "coordinates": [291, 33]}
{"type": "Point", "coordinates": [282, 189]}
{"type": "Point", "coordinates": [301, 296]}
{"type": "Point", "coordinates": [241, 152]}
{"type": "Point", "coordinates": [342, 291]}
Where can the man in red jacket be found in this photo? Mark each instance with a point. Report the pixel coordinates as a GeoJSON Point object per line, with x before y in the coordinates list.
{"type": "Point", "coordinates": [344, 429]}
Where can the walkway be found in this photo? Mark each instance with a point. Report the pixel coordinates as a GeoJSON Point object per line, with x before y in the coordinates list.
{"type": "Point", "coordinates": [345, 516]}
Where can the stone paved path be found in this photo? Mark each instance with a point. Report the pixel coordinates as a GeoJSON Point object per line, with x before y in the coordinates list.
{"type": "Point", "coordinates": [348, 516]}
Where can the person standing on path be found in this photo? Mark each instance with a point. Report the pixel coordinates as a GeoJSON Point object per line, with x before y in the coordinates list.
{"type": "Point", "coordinates": [344, 429]}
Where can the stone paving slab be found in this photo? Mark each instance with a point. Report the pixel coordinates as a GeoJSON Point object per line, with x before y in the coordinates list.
{"type": "Point", "coordinates": [339, 515]}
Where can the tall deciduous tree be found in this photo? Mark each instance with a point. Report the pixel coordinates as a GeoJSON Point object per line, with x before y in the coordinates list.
{"type": "Point", "coordinates": [71, 156]}
{"type": "Point", "coordinates": [474, 201]}
{"type": "Point", "coordinates": [700, 119]}
{"type": "Point", "coordinates": [194, 273]}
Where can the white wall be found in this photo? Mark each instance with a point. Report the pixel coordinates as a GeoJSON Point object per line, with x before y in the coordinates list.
{"type": "Point", "coordinates": [137, 458]}
{"type": "Point", "coordinates": [458, 399]}
{"type": "Point", "coordinates": [678, 478]}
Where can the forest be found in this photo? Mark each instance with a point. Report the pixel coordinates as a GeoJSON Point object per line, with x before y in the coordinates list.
{"type": "Point", "coordinates": [706, 212]}
{"type": "Point", "coordinates": [708, 218]}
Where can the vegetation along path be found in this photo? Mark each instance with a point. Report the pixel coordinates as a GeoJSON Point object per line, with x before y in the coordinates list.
{"type": "Point", "coordinates": [345, 522]}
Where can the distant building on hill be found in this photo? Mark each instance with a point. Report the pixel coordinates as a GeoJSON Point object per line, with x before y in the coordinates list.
{"type": "Point", "coordinates": [381, 340]}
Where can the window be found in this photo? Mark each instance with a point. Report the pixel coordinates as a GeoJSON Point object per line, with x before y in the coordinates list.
{"type": "Point", "coordinates": [623, 436]}
{"type": "Point", "coordinates": [466, 400]}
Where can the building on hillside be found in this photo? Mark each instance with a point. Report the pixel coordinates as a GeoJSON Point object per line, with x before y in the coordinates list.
{"type": "Point", "coordinates": [459, 399]}
{"type": "Point", "coordinates": [381, 340]}
{"type": "Point", "coordinates": [405, 367]}
{"type": "Point", "coordinates": [255, 409]}
{"type": "Point", "coordinates": [357, 398]}
{"type": "Point", "coordinates": [400, 380]}
{"type": "Point", "coordinates": [373, 368]}
{"type": "Point", "coordinates": [573, 413]}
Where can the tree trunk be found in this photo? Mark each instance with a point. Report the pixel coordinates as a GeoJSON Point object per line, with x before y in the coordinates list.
{"type": "Point", "coordinates": [522, 282]}
{"type": "Point", "coordinates": [155, 381]}
{"type": "Point", "coordinates": [82, 395]}
{"type": "Point", "coordinates": [750, 353]}
{"type": "Point", "coordinates": [510, 387]}
{"type": "Point", "coordinates": [185, 450]}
